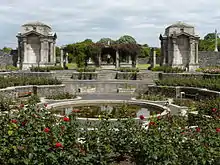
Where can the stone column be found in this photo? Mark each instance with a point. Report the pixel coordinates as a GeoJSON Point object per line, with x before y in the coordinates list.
{"type": "Point", "coordinates": [41, 50]}
{"type": "Point", "coordinates": [153, 58]}
{"type": "Point", "coordinates": [67, 61]}
{"type": "Point", "coordinates": [19, 54]}
{"type": "Point", "coordinates": [117, 59]}
{"type": "Point", "coordinates": [25, 50]}
{"type": "Point", "coordinates": [51, 53]}
{"type": "Point", "coordinates": [177, 58]}
{"type": "Point", "coordinates": [46, 44]}
{"type": "Point", "coordinates": [129, 59]}
{"type": "Point", "coordinates": [54, 52]}
{"type": "Point", "coordinates": [61, 57]}
{"type": "Point", "coordinates": [192, 53]}
{"type": "Point", "coordinates": [197, 52]}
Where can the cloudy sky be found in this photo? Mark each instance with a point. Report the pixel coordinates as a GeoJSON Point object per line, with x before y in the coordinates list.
{"type": "Point", "coordinates": [76, 20]}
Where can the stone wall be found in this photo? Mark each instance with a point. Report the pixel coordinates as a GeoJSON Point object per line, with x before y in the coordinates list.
{"type": "Point", "coordinates": [42, 90]}
{"type": "Point", "coordinates": [208, 58]}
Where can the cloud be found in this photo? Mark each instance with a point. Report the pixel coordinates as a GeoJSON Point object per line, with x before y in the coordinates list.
{"type": "Point", "coordinates": [77, 20]}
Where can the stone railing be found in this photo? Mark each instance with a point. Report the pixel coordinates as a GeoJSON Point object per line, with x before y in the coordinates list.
{"type": "Point", "coordinates": [126, 90]}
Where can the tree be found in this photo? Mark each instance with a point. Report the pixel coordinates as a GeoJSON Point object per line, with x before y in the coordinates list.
{"type": "Point", "coordinates": [105, 41]}
{"type": "Point", "coordinates": [126, 39]}
{"type": "Point", "coordinates": [7, 50]}
{"type": "Point", "coordinates": [210, 36]}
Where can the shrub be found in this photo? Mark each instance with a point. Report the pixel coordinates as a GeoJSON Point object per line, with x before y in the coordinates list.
{"type": "Point", "coordinates": [212, 84]}
{"type": "Point", "coordinates": [86, 69]}
{"type": "Point", "coordinates": [33, 135]}
{"type": "Point", "coordinates": [128, 69]}
{"type": "Point", "coordinates": [8, 68]}
{"type": "Point", "coordinates": [21, 81]}
{"type": "Point", "coordinates": [168, 69]}
{"type": "Point", "coordinates": [61, 96]}
{"type": "Point", "coordinates": [46, 69]}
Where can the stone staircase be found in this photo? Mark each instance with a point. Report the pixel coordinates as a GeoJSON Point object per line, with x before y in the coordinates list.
{"type": "Point", "coordinates": [106, 75]}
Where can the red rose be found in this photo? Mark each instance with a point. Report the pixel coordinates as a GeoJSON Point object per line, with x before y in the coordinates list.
{"type": "Point", "coordinates": [198, 129]}
{"type": "Point", "coordinates": [141, 117]}
{"type": "Point", "coordinates": [45, 105]}
{"type": "Point", "coordinates": [214, 110]}
{"type": "Point", "coordinates": [23, 123]}
{"type": "Point", "coordinates": [152, 123]}
{"type": "Point", "coordinates": [58, 145]}
{"type": "Point", "coordinates": [21, 105]}
{"type": "Point", "coordinates": [158, 117]}
{"type": "Point", "coordinates": [217, 130]}
{"type": "Point", "coordinates": [66, 119]}
{"type": "Point", "coordinates": [14, 121]}
{"type": "Point", "coordinates": [46, 130]}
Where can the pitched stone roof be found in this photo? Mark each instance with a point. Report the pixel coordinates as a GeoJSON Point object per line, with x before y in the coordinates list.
{"type": "Point", "coordinates": [180, 25]}
{"type": "Point", "coordinates": [36, 23]}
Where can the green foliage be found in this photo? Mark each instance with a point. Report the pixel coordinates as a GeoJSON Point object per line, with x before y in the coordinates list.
{"type": "Point", "coordinates": [33, 99]}
{"type": "Point", "coordinates": [208, 44]}
{"type": "Point", "coordinates": [61, 96]}
{"type": "Point", "coordinates": [212, 84]}
{"type": "Point", "coordinates": [168, 69]}
{"type": "Point", "coordinates": [126, 39]}
{"type": "Point", "coordinates": [105, 41]}
{"type": "Point", "coordinates": [45, 69]}
{"type": "Point", "coordinates": [210, 36]}
{"type": "Point", "coordinates": [86, 69]}
{"type": "Point", "coordinates": [22, 81]}
{"type": "Point", "coordinates": [8, 68]}
{"type": "Point", "coordinates": [210, 70]}
{"type": "Point", "coordinates": [33, 135]}
{"type": "Point", "coordinates": [144, 52]}
{"type": "Point", "coordinates": [7, 50]}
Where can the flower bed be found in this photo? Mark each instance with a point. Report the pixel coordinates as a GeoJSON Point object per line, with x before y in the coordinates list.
{"type": "Point", "coordinates": [168, 69]}
{"type": "Point", "coordinates": [35, 136]}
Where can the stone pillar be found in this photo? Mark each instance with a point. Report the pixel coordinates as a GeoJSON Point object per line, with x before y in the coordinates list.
{"type": "Point", "coordinates": [99, 59]}
{"type": "Point", "coordinates": [153, 58]}
{"type": "Point", "coordinates": [117, 59]}
{"type": "Point", "coordinates": [129, 59]}
{"type": "Point", "coordinates": [51, 53]}
{"type": "Point", "coordinates": [67, 61]}
{"type": "Point", "coordinates": [25, 50]}
{"type": "Point", "coordinates": [54, 52]}
{"type": "Point", "coordinates": [61, 57]}
{"type": "Point", "coordinates": [192, 52]}
{"type": "Point", "coordinates": [197, 52]}
{"type": "Point", "coordinates": [177, 58]}
{"type": "Point", "coordinates": [19, 54]}
{"type": "Point", "coordinates": [46, 51]}
{"type": "Point", "coordinates": [41, 50]}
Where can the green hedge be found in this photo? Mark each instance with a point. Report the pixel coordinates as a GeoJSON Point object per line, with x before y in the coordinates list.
{"type": "Point", "coordinates": [126, 75]}
{"type": "Point", "coordinates": [45, 69]}
{"type": "Point", "coordinates": [128, 69]}
{"type": "Point", "coordinates": [86, 69]}
{"type": "Point", "coordinates": [212, 84]}
{"type": "Point", "coordinates": [61, 96]}
{"type": "Point", "coordinates": [168, 69]}
{"type": "Point", "coordinates": [22, 81]}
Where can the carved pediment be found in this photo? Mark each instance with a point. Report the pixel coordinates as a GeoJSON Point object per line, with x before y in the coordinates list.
{"type": "Point", "coordinates": [31, 33]}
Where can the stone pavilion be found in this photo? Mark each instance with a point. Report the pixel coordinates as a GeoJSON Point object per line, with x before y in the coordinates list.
{"type": "Point", "coordinates": [36, 45]}
{"type": "Point", "coordinates": [179, 47]}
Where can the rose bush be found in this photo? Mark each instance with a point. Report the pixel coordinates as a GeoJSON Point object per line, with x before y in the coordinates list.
{"type": "Point", "coordinates": [33, 135]}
